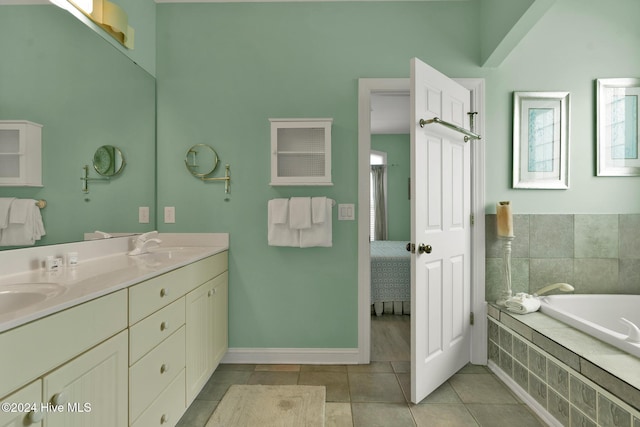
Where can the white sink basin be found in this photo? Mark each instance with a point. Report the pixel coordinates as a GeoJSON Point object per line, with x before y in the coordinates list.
{"type": "Point", "coordinates": [18, 296]}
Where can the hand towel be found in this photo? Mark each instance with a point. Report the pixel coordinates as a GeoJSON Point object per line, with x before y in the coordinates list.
{"type": "Point", "coordinates": [29, 230]}
{"type": "Point", "coordinates": [279, 234]}
{"type": "Point", "coordinates": [522, 303]}
{"type": "Point", "coordinates": [300, 212]}
{"type": "Point", "coordinates": [319, 234]}
{"type": "Point", "coordinates": [279, 209]}
{"type": "Point", "coordinates": [20, 210]}
{"type": "Point", "coordinates": [318, 209]}
{"type": "Point", "coordinates": [5, 205]}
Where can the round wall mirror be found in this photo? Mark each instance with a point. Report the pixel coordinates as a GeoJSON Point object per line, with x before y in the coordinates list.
{"type": "Point", "coordinates": [201, 160]}
{"type": "Point", "coordinates": [108, 160]}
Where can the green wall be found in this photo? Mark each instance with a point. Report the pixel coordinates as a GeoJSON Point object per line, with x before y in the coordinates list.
{"type": "Point", "coordinates": [398, 171]}
{"type": "Point", "coordinates": [224, 69]}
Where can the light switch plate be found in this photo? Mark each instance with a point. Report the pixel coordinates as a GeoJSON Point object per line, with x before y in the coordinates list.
{"type": "Point", "coordinates": [346, 212]}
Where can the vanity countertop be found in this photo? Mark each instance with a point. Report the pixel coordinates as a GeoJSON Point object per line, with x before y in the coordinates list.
{"type": "Point", "coordinates": [101, 275]}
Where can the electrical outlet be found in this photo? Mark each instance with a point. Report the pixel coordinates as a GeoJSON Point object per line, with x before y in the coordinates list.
{"type": "Point", "coordinates": [169, 215]}
{"type": "Point", "coordinates": [143, 214]}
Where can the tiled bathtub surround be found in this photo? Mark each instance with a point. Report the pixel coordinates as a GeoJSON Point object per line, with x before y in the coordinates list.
{"type": "Point", "coordinates": [561, 379]}
{"type": "Point", "coordinates": [596, 253]}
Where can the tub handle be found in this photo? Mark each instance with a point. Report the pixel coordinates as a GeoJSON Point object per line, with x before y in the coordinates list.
{"type": "Point", "coordinates": [634, 332]}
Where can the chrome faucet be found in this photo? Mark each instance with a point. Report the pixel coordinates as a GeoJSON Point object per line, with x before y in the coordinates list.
{"type": "Point", "coordinates": [144, 241]}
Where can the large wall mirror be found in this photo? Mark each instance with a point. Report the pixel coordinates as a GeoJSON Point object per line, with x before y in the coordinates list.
{"type": "Point", "coordinates": [57, 72]}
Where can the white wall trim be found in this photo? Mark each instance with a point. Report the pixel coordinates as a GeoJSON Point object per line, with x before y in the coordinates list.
{"type": "Point", "coordinates": [479, 331]}
{"type": "Point", "coordinates": [302, 356]}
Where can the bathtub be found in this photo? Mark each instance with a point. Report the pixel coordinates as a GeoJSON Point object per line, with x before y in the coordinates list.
{"type": "Point", "coordinates": [598, 315]}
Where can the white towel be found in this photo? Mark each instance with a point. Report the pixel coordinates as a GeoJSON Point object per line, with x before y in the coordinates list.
{"type": "Point", "coordinates": [319, 234]}
{"type": "Point", "coordinates": [20, 210]}
{"type": "Point", "coordinates": [5, 205]}
{"type": "Point", "coordinates": [279, 234]}
{"type": "Point", "coordinates": [279, 209]}
{"type": "Point", "coordinates": [522, 303]}
{"type": "Point", "coordinates": [318, 209]}
{"type": "Point", "coordinates": [300, 212]}
{"type": "Point", "coordinates": [25, 227]}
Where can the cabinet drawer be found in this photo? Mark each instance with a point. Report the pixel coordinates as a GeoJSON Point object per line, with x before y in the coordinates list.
{"type": "Point", "coordinates": [150, 331]}
{"type": "Point", "coordinates": [153, 294]}
{"type": "Point", "coordinates": [44, 344]}
{"type": "Point", "coordinates": [167, 409]}
{"type": "Point", "coordinates": [153, 373]}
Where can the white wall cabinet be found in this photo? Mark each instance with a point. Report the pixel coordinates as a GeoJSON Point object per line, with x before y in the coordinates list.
{"type": "Point", "coordinates": [20, 153]}
{"type": "Point", "coordinates": [301, 151]}
{"type": "Point", "coordinates": [207, 326]}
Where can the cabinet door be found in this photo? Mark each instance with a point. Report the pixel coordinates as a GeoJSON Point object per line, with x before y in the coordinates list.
{"type": "Point", "coordinates": [91, 390]}
{"type": "Point", "coordinates": [199, 342]}
{"type": "Point", "coordinates": [26, 407]}
{"type": "Point", "coordinates": [207, 331]}
{"type": "Point", "coordinates": [220, 318]}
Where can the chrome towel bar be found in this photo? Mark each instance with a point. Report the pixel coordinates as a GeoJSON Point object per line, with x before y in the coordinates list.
{"type": "Point", "coordinates": [467, 134]}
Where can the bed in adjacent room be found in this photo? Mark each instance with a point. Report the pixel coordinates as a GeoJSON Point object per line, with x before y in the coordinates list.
{"type": "Point", "coordinates": [390, 277]}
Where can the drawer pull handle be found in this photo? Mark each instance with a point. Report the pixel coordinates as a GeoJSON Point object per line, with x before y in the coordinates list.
{"type": "Point", "coordinates": [59, 398]}
{"type": "Point", "coordinates": [164, 368]}
{"type": "Point", "coordinates": [164, 326]}
{"type": "Point", "coordinates": [164, 419]}
{"type": "Point", "coordinates": [164, 292]}
{"type": "Point", "coordinates": [35, 416]}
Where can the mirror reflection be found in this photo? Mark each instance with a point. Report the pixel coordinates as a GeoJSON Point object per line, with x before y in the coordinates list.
{"type": "Point", "coordinates": [201, 160]}
{"type": "Point", "coordinates": [108, 160]}
{"type": "Point", "coordinates": [57, 72]}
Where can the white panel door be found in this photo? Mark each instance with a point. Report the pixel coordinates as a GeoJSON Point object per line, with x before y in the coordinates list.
{"type": "Point", "coordinates": [440, 220]}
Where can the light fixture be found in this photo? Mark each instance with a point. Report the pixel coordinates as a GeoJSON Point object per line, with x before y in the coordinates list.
{"type": "Point", "coordinates": [109, 16]}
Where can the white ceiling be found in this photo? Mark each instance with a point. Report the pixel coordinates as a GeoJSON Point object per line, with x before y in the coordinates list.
{"type": "Point", "coordinates": [390, 112]}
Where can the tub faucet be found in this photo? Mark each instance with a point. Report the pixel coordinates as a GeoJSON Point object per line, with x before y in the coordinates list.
{"type": "Point", "coordinates": [634, 332]}
{"type": "Point", "coordinates": [144, 241]}
{"type": "Point", "coordinates": [564, 287]}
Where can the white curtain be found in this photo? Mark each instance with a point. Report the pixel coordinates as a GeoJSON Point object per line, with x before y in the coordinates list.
{"type": "Point", "coordinates": [378, 202]}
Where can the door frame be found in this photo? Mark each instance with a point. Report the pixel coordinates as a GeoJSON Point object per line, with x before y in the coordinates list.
{"type": "Point", "coordinates": [367, 86]}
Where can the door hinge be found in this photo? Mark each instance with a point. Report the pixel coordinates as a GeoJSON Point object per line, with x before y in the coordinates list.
{"type": "Point", "coordinates": [473, 219]}
{"type": "Point", "coordinates": [471, 318]}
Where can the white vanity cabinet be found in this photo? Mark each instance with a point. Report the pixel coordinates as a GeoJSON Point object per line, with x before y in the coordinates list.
{"type": "Point", "coordinates": [301, 151]}
{"type": "Point", "coordinates": [137, 356]}
{"type": "Point", "coordinates": [20, 153]}
{"type": "Point", "coordinates": [77, 356]}
{"type": "Point", "coordinates": [168, 336]}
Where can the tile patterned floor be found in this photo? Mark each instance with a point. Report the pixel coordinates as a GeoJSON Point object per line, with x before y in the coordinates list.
{"type": "Point", "coordinates": [378, 394]}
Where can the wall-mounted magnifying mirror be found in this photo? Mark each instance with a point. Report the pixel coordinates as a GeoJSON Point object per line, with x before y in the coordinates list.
{"type": "Point", "coordinates": [108, 160]}
{"type": "Point", "coordinates": [201, 160]}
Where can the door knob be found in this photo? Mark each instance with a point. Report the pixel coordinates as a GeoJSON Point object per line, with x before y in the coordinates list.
{"type": "Point", "coordinates": [422, 248]}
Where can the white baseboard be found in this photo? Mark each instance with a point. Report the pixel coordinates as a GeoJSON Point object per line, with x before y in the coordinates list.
{"type": "Point", "coordinates": [300, 356]}
{"type": "Point", "coordinates": [524, 396]}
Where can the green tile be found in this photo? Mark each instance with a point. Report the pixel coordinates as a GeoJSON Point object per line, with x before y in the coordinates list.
{"type": "Point", "coordinates": [441, 415]}
{"type": "Point", "coordinates": [551, 236]}
{"type": "Point", "coordinates": [596, 236]}
{"type": "Point", "coordinates": [381, 415]}
{"type": "Point", "coordinates": [558, 407]}
{"type": "Point", "coordinates": [610, 414]}
{"type": "Point", "coordinates": [583, 396]}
